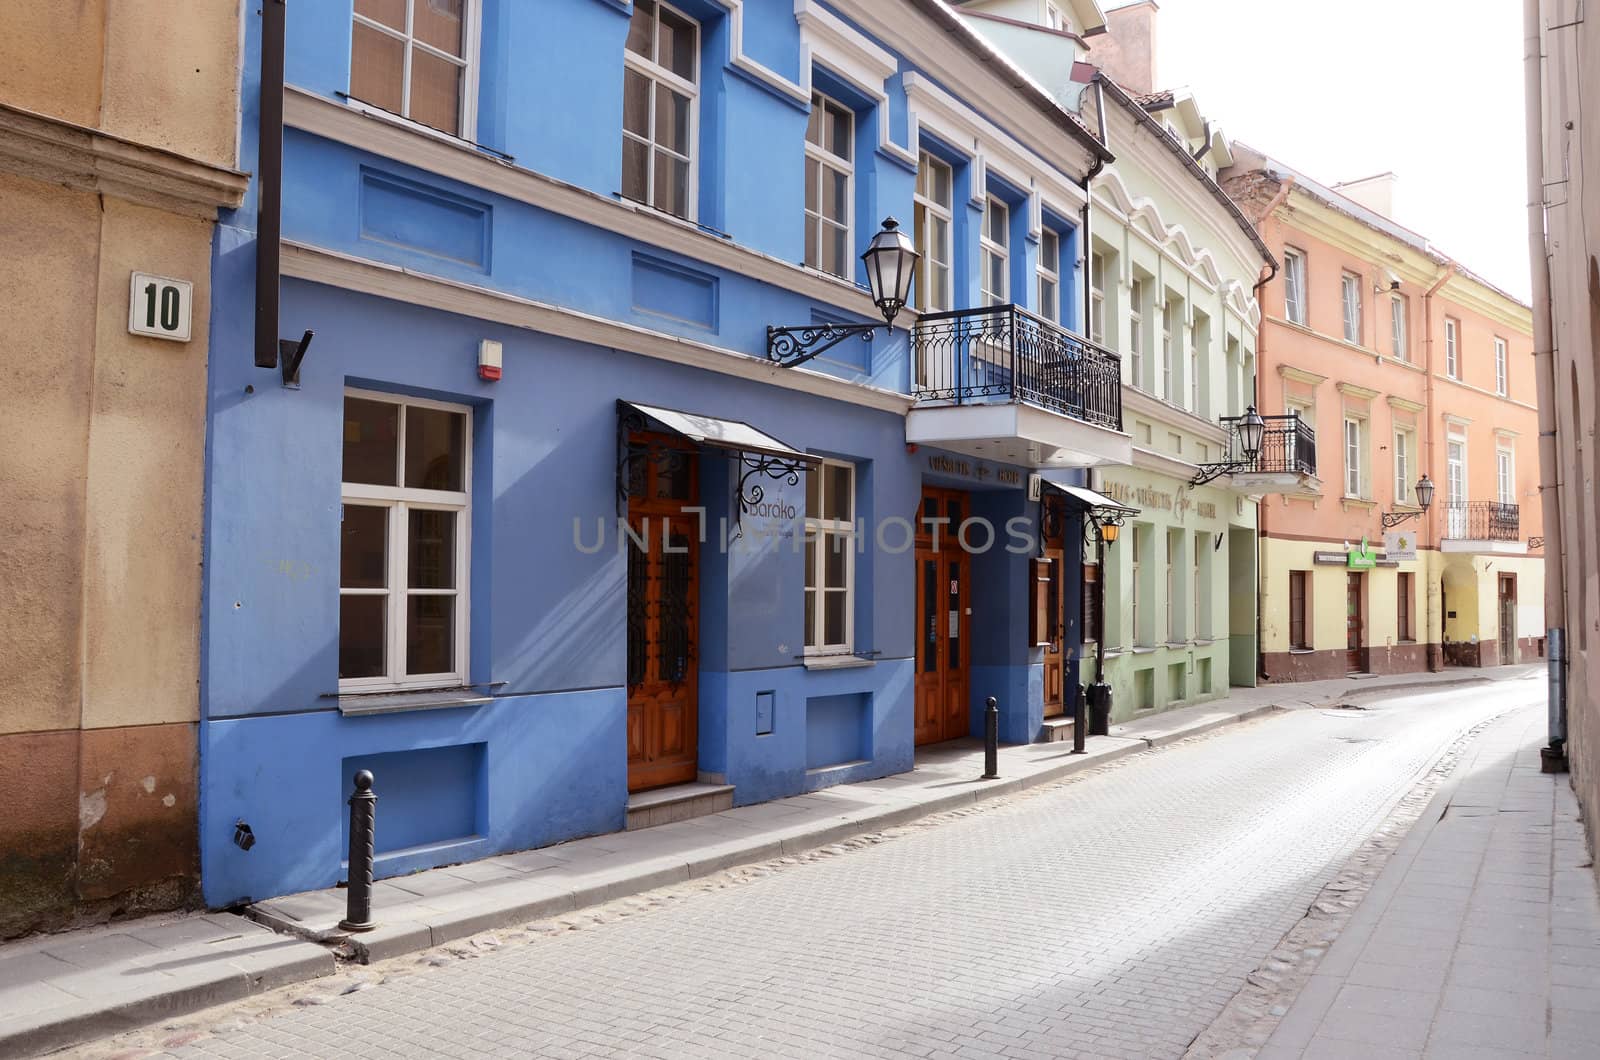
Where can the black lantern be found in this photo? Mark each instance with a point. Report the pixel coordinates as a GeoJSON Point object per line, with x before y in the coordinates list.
{"type": "Point", "coordinates": [891, 261]}
{"type": "Point", "coordinates": [891, 264]}
{"type": "Point", "coordinates": [1251, 429]}
{"type": "Point", "coordinates": [1424, 489]}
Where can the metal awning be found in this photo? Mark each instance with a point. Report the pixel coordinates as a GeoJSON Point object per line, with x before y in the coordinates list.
{"type": "Point", "coordinates": [757, 454]}
{"type": "Point", "coordinates": [1090, 499]}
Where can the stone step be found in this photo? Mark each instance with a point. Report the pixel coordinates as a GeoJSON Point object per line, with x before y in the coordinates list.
{"type": "Point", "coordinates": [1057, 730]}
{"type": "Point", "coordinates": [677, 803]}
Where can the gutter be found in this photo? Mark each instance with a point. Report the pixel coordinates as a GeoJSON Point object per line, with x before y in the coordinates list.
{"type": "Point", "coordinates": [1088, 248]}
{"type": "Point", "coordinates": [1269, 271]}
{"type": "Point", "coordinates": [1553, 757]}
{"type": "Point", "coordinates": [1447, 269]}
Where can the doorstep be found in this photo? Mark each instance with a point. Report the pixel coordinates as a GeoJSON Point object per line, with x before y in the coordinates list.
{"type": "Point", "coordinates": [680, 802]}
{"type": "Point", "coordinates": [1056, 730]}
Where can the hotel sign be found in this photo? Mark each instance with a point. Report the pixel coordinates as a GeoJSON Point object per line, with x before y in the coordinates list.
{"type": "Point", "coordinates": [974, 469]}
{"type": "Point", "coordinates": [1150, 498]}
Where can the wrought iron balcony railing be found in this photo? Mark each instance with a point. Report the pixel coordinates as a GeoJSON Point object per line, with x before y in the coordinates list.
{"type": "Point", "coordinates": [1005, 353]}
{"type": "Point", "coordinates": [1288, 445]}
{"type": "Point", "coordinates": [1482, 521]}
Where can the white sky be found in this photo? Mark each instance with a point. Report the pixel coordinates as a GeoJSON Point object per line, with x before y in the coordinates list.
{"type": "Point", "coordinates": [1342, 89]}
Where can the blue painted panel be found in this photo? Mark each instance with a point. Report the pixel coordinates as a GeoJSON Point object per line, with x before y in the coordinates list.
{"type": "Point", "coordinates": [766, 705]}
{"type": "Point", "coordinates": [838, 729]}
{"type": "Point", "coordinates": [428, 796]}
{"type": "Point", "coordinates": [668, 289]}
{"type": "Point", "coordinates": [417, 217]}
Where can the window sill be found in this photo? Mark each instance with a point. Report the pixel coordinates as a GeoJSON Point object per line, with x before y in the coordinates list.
{"type": "Point", "coordinates": [836, 662]}
{"type": "Point", "coordinates": [1302, 651]}
{"type": "Point", "coordinates": [1145, 649]}
{"type": "Point", "coordinates": [372, 110]}
{"type": "Point", "coordinates": [361, 704]}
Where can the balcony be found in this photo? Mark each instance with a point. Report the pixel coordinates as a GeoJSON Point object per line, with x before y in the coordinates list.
{"type": "Point", "coordinates": [1000, 383]}
{"type": "Point", "coordinates": [1286, 462]}
{"type": "Point", "coordinates": [1482, 526]}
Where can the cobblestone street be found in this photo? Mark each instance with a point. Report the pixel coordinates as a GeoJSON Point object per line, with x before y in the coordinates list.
{"type": "Point", "coordinates": [1110, 916]}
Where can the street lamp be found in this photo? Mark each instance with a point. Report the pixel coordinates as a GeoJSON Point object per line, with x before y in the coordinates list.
{"type": "Point", "coordinates": [1108, 524]}
{"type": "Point", "coordinates": [1424, 490]}
{"type": "Point", "coordinates": [891, 264]}
{"type": "Point", "coordinates": [1250, 429]}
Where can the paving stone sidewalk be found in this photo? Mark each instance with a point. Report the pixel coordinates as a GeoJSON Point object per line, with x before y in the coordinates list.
{"type": "Point", "coordinates": [1481, 938]}
{"type": "Point", "coordinates": [60, 989]}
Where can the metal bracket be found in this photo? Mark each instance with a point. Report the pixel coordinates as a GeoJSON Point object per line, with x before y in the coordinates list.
{"type": "Point", "coordinates": [290, 354]}
{"type": "Point", "coordinates": [790, 347]}
{"type": "Point", "coordinates": [1394, 519]}
{"type": "Point", "coordinates": [1535, 543]}
{"type": "Point", "coordinates": [1208, 472]}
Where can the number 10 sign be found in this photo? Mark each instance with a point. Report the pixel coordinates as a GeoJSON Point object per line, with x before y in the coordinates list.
{"type": "Point", "coordinates": [159, 307]}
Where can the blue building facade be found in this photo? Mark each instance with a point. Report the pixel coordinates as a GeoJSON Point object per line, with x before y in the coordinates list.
{"type": "Point", "coordinates": [542, 526]}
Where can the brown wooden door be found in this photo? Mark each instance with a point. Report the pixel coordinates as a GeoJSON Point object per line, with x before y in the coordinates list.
{"type": "Point", "coordinates": [663, 616]}
{"type": "Point", "coordinates": [944, 585]}
{"type": "Point", "coordinates": [1354, 623]}
{"type": "Point", "coordinates": [1508, 618]}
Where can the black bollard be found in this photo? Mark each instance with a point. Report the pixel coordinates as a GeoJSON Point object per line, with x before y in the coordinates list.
{"type": "Point", "coordinates": [1080, 721]}
{"type": "Point", "coordinates": [991, 740]}
{"type": "Point", "coordinates": [358, 893]}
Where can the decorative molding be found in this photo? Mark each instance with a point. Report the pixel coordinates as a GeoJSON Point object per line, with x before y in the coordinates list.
{"type": "Point", "coordinates": [1143, 403]}
{"type": "Point", "coordinates": [59, 152]}
{"type": "Point", "coordinates": [1360, 393]}
{"type": "Point", "coordinates": [308, 112]}
{"type": "Point", "coordinates": [1405, 403]}
{"type": "Point", "coordinates": [412, 287]}
{"type": "Point", "coordinates": [780, 86]}
{"type": "Point", "coordinates": [1300, 375]}
{"type": "Point", "coordinates": [827, 40]}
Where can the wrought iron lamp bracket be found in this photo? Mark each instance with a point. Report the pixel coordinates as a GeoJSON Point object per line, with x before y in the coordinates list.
{"type": "Point", "coordinates": [1535, 544]}
{"type": "Point", "coordinates": [762, 465]}
{"type": "Point", "coordinates": [1394, 519]}
{"type": "Point", "coordinates": [794, 346]}
{"type": "Point", "coordinates": [1208, 472]}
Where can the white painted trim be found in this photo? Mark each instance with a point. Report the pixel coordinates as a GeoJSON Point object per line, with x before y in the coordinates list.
{"type": "Point", "coordinates": [384, 135]}
{"type": "Point", "coordinates": [829, 40]}
{"type": "Point", "coordinates": [365, 276]}
{"type": "Point", "coordinates": [737, 58]}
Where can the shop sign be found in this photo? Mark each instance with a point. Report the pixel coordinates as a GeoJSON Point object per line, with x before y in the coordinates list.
{"type": "Point", "coordinates": [1150, 498]}
{"type": "Point", "coordinates": [1399, 545]}
{"type": "Point", "coordinates": [1362, 558]}
{"type": "Point", "coordinates": [977, 470]}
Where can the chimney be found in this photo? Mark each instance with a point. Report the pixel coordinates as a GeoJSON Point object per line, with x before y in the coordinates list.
{"type": "Point", "coordinates": [1126, 51]}
{"type": "Point", "coordinates": [1376, 193]}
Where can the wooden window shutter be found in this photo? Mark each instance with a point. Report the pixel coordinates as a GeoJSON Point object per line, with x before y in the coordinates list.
{"type": "Point", "coordinates": [1040, 624]}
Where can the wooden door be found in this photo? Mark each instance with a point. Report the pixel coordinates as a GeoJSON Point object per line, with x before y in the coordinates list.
{"type": "Point", "coordinates": [1053, 568]}
{"type": "Point", "coordinates": [944, 584]}
{"type": "Point", "coordinates": [1354, 623]}
{"type": "Point", "coordinates": [663, 615]}
{"type": "Point", "coordinates": [1508, 618]}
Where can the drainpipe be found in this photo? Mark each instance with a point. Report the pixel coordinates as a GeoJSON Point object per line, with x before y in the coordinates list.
{"type": "Point", "coordinates": [1447, 269]}
{"type": "Point", "coordinates": [1553, 756]}
{"type": "Point", "coordinates": [1268, 272]}
{"type": "Point", "coordinates": [1094, 171]}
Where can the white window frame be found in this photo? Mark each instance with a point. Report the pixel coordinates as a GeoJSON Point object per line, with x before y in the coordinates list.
{"type": "Point", "coordinates": [1049, 307]}
{"type": "Point", "coordinates": [1397, 326]}
{"type": "Point", "coordinates": [1194, 372]}
{"type": "Point", "coordinates": [1134, 542]}
{"type": "Point", "coordinates": [1452, 348]}
{"type": "Point", "coordinates": [1505, 460]}
{"type": "Point", "coordinates": [400, 500]}
{"type": "Point", "coordinates": [817, 531]}
{"type": "Point", "coordinates": [991, 250]}
{"type": "Point", "coordinates": [1402, 465]}
{"type": "Point", "coordinates": [1097, 298]}
{"type": "Point", "coordinates": [1174, 613]}
{"type": "Point", "coordinates": [1166, 350]}
{"type": "Point", "coordinates": [471, 32]}
{"type": "Point", "coordinates": [1294, 286]}
{"type": "Point", "coordinates": [1502, 378]}
{"type": "Point", "coordinates": [1199, 541]}
{"type": "Point", "coordinates": [1456, 483]}
{"type": "Point", "coordinates": [944, 211]}
{"type": "Point", "coordinates": [1353, 457]}
{"type": "Point", "coordinates": [1054, 18]}
{"type": "Point", "coordinates": [1350, 298]}
{"type": "Point", "coordinates": [826, 160]}
{"type": "Point", "coordinates": [660, 75]}
{"type": "Point", "coordinates": [1136, 331]}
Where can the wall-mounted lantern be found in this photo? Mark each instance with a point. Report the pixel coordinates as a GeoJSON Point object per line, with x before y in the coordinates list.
{"type": "Point", "coordinates": [891, 261]}
{"type": "Point", "coordinates": [1424, 489]}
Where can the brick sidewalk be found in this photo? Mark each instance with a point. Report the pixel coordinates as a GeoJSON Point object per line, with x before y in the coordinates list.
{"type": "Point", "coordinates": [1481, 937]}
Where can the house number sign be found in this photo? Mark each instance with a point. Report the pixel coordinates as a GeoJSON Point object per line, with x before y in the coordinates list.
{"type": "Point", "coordinates": [160, 307]}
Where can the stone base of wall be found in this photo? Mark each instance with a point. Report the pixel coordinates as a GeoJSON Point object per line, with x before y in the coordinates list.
{"type": "Point", "coordinates": [1288, 666]}
{"type": "Point", "coordinates": [101, 824]}
{"type": "Point", "coordinates": [1530, 649]}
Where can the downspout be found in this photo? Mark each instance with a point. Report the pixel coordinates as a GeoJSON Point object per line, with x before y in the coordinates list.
{"type": "Point", "coordinates": [1435, 654]}
{"type": "Point", "coordinates": [1553, 757]}
{"type": "Point", "coordinates": [1269, 272]}
{"type": "Point", "coordinates": [1095, 167]}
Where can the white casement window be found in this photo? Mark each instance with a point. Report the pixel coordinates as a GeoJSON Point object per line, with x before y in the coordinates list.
{"type": "Point", "coordinates": [1166, 351]}
{"type": "Point", "coordinates": [1456, 485]}
{"type": "Point", "coordinates": [660, 108]}
{"type": "Point", "coordinates": [830, 557]}
{"type": "Point", "coordinates": [1194, 371]}
{"type": "Point", "coordinates": [933, 229]}
{"type": "Point", "coordinates": [1501, 377]}
{"type": "Point", "coordinates": [829, 172]}
{"type": "Point", "coordinates": [1505, 476]}
{"type": "Point", "coordinates": [403, 552]}
{"type": "Point", "coordinates": [1138, 582]}
{"type": "Point", "coordinates": [1397, 326]}
{"type": "Point", "coordinates": [1294, 286]}
{"type": "Point", "coordinates": [1097, 299]}
{"type": "Point", "coordinates": [1195, 607]}
{"type": "Point", "coordinates": [1350, 295]}
{"type": "Point", "coordinates": [995, 247]}
{"type": "Point", "coordinates": [1136, 332]}
{"type": "Point", "coordinates": [1352, 457]}
{"type": "Point", "coordinates": [417, 59]}
{"type": "Point", "coordinates": [1049, 275]}
{"type": "Point", "coordinates": [1053, 18]}
{"type": "Point", "coordinates": [1452, 359]}
{"type": "Point", "coordinates": [1174, 612]}
{"type": "Point", "coordinates": [1402, 467]}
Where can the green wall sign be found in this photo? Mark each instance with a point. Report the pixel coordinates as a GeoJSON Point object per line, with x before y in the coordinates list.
{"type": "Point", "coordinates": [1363, 558]}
